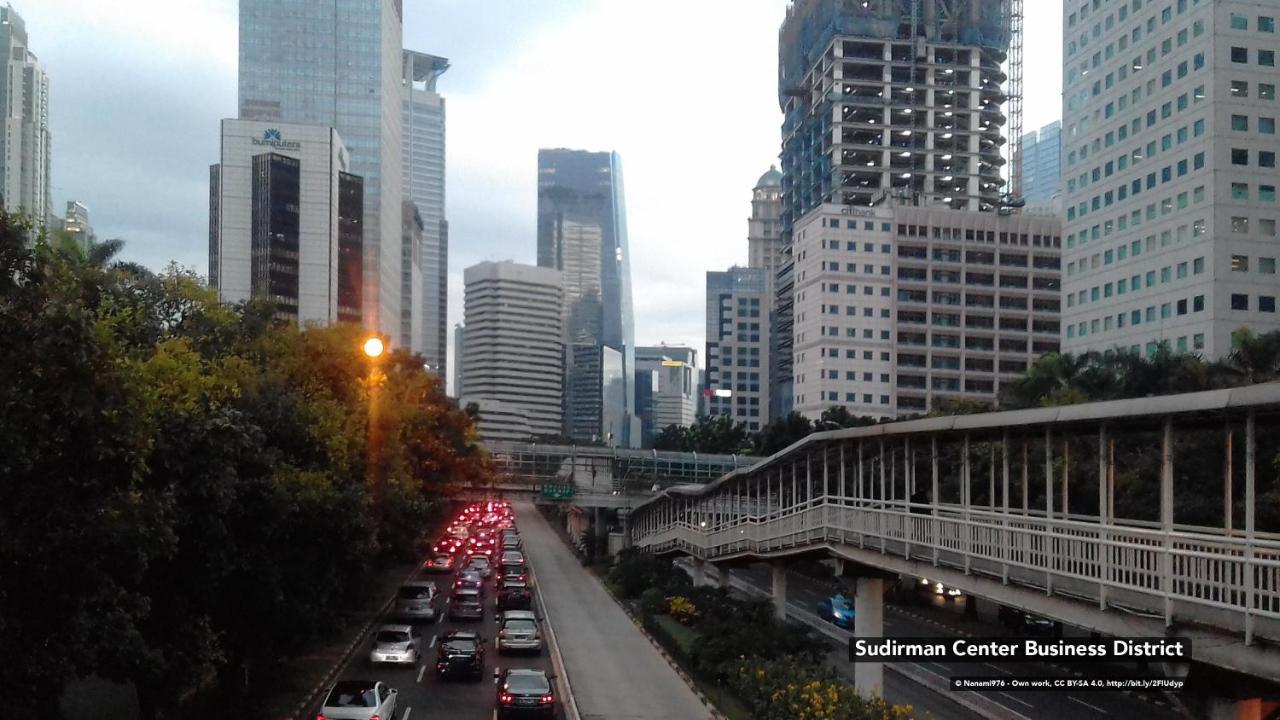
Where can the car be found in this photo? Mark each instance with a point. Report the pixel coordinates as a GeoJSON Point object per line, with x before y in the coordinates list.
{"type": "Point", "coordinates": [837, 609]}
{"type": "Point", "coordinates": [466, 604]}
{"type": "Point", "coordinates": [469, 579]}
{"type": "Point", "coordinates": [514, 596]}
{"type": "Point", "coordinates": [440, 563]}
{"type": "Point", "coordinates": [511, 542]}
{"type": "Point", "coordinates": [359, 700]}
{"type": "Point", "coordinates": [396, 644]}
{"type": "Point", "coordinates": [524, 693]}
{"type": "Point", "coordinates": [511, 573]}
{"type": "Point", "coordinates": [1025, 623]}
{"type": "Point", "coordinates": [512, 557]}
{"type": "Point", "coordinates": [940, 590]}
{"type": "Point", "coordinates": [518, 631]}
{"type": "Point", "coordinates": [459, 530]}
{"type": "Point", "coordinates": [416, 600]}
{"type": "Point", "coordinates": [481, 564]}
{"type": "Point", "coordinates": [461, 652]}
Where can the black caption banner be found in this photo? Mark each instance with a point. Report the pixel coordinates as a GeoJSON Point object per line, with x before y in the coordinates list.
{"type": "Point", "coordinates": [883, 649]}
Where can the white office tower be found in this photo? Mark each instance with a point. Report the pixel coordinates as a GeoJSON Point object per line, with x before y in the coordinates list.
{"type": "Point", "coordinates": [25, 155]}
{"type": "Point", "coordinates": [666, 388]}
{"type": "Point", "coordinates": [337, 64]}
{"type": "Point", "coordinates": [424, 184]}
{"type": "Point", "coordinates": [284, 219]}
{"type": "Point", "coordinates": [737, 382]}
{"type": "Point", "coordinates": [901, 309]}
{"type": "Point", "coordinates": [512, 353]}
{"type": "Point", "coordinates": [1169, 171]}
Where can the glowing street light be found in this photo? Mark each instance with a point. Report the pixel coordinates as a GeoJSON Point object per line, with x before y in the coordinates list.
{"type": "Point", "coordinates": [374, 347]}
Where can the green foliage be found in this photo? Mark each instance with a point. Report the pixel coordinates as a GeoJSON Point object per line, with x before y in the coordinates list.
{"type": "Point", "coordinates": [782, 433]}
{"type": "Point", "coordinates": [718, 434]}
{"type": "Point", "coordinates": [635, 571]}
{"type": "Point", "coordinates": [795, 689]}
{"type": "Point", "coordinates": [652, 602]}
{"type": "Point", "coordinates": [188, 488]}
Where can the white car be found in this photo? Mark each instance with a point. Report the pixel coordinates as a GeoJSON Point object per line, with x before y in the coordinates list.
{"type": "Point", "coordinates": [481, 564]}
{"type": "Point", "coordinates": [512, 557]}
{"type": "Point", "coordinates": [518, 631]}
{"type": "Point", "coordinates": [359, 700]}
{"type": "Point", "coordinates": [417, 600]}
{"type": "Point", "coordinates": [396, 644]}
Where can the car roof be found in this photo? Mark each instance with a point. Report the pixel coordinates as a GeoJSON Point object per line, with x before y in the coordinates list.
{"type": "Point", "coordinates": [461, 635]}
{"type": "Point", "coordinates": [527, 672]}
{"type": "Point", "coordinates": [519, 615]}
{"type": "Point", "coordinates": [419, 583]}
{"type": "Point", "coordinates": [348, 686]}
{"type": "Point", "coordinates": [395, 628]}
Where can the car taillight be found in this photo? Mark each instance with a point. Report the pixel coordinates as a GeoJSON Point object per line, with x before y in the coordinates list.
{"type": "Point", "coordinates": [506, 699]}
{"type": "Point", "coordinates": [548, 698]}
{"type": "Point", "coordinates": [375, 717]}
{"type": "Point", "coordinates": [320, 716]}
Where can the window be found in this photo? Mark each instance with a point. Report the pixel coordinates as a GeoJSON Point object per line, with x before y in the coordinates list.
{"type": "Point", "coordinates": [1239, 263]}
{"type": "Point", "coordinates": [1267, 126]}
{"type": "Point", "coordinates": [1267, 193]}
{"type": "Point", "coordinates": [1240, 225]}
{"type": "Point", "coordinates": [1267, 266]}
{"type": "Point", "coordinates": [1266, 158]}
{"type": "Point", "coordinates": [1266, 91]}
{"type": "Point", "coordinates": [1239, 88]}
{"type": "Point", "coordinates": [1239, 156]}
{"type": "Point", "coordinates": [1266, 24]}
{"type": "Point", "coordinates": [1197, 303]}
{"type": "Point", "coordinates": [1239, 22]}
{"type": "Point", "coordinates": [1266, 303]}
{"type": "Point", "coordinates": [1239, 191]}
{"type": "Point", "coordinates": [1240, 123]}
{"type": "Point", "coordinates": [1239, 302]}
{"type": "Point", "coordinates": [1267, 58]}
{"type": "Point", "coordinates": [1197, 266]}
{"type": "Point", "coordinates": [1240, 55]}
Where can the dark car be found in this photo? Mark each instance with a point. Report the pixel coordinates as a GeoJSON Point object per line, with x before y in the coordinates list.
{"type": "Point", "coordinates": [468, 579]}
{"type": "Point", "coordinates": [512, 573]}
{"type": "Point", "coordinates": [460, 653]}
{"type": "Point", "coordinates": [837, 609]}
{"type": "Point", "coordinates": [466, 604]}
{"type": "Point", "coordinates": [525, 693]}
{"type": "Point", "coordinates": [1025, 623]}
{"type": "Point", "coordinates": [514, 596]}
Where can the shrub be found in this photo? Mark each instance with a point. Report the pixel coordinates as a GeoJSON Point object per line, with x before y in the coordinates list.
{"type": "Point", "coordinates": [683, 610]}
{"type": "Point", "coordinates": [652, 602]}
{"type": "Point", "coordinates": [795, 689]}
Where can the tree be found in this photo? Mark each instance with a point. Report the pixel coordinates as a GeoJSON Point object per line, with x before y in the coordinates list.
{"type": "Point", "coordinates": [782, 433]}
{"type": "Point", "coordinates": [717, 434]}
{"type": "Point", "coordinates": [838, 416]}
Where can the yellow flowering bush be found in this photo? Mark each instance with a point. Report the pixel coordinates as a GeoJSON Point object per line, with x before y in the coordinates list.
{"type": "Point", "coordinates": [789, 690]}
{"type": "Point", "coordinates": [683, 610]}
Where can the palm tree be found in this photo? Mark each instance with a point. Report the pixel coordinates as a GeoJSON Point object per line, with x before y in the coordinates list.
{"type": "Point", "coordinates": [1254, 359]}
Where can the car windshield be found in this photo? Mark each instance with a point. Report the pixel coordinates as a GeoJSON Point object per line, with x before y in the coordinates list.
{"type": "Point", "coordinates": [410, 592]}
{"type": "Point", "coordinates": [519, 626]}
{"type": "Point", "coordinates": [462, 645]}
{"type": "Point", "coordinates": [840, 602]}
{"type": "Point", "coordinates": [527, 683]}
{"type": "Point", "coordinates": [393, 636]}
{"type": "Point", "coordinates": [479, 561]}
{"type": "Point", "coordinates": [352, 695]}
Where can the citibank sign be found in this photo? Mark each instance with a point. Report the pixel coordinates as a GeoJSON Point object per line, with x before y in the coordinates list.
{"type": "Point", "coordinates": [272, 138]}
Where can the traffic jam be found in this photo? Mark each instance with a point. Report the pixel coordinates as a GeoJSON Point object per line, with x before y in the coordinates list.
{"type": "Point", "coordinates": [463, 638]}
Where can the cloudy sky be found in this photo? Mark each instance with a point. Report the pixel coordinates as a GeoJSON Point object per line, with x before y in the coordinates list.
{"type": "Point", "coordinates": [685, 91]}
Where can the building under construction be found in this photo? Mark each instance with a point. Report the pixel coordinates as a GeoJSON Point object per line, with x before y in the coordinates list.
{"type": "Point", "coordinates": [898, 98]}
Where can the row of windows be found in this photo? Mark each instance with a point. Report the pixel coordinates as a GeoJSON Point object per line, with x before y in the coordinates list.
{"type": "Point", "coordinates": [1121, 162]}
{"type": "Point", "coordinates": [1134, 318]}
{"type": "Point", "coordinates": [1135, 282]}
{"type": "Point", "coordinates": [1135, 218]}
{"type": "Point", "coordinates": [1134, 248]}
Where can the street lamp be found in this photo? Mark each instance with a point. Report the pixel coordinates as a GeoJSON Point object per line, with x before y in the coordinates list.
{"type": "Point", "coordinates": [374, 347]}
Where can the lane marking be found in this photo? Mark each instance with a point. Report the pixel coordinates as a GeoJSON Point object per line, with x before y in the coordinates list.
{"type": "Point", "coordinates": [433, 641]}
{"type": "Point", "coordinates": [997, 669]}
{"type": "Point", "coordinates": [1020, 702]}
{"type": "Point", "coordinates": [1094, 708]}
{"type": "Point", "coordinates": [406, 713]}
{"type": "Point", "coordinates": [422, 669]}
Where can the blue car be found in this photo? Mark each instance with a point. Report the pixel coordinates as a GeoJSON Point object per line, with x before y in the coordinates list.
{"type": "Point", "coordinates": [837, 609]}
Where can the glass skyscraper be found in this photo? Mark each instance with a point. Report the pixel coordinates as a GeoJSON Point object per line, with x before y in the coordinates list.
{"type": "Point", "coordinates": [582, 232]}
{"type": "Point", "coordinates": [1041, 164]}
{"type": "Point", "coordinates": [338, 63]}
{"type": "Point", "coordinates": [424, 184]}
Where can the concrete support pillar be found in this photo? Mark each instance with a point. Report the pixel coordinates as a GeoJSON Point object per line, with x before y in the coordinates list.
{"type": "Point", "coordinates": [698, 571]}
{"type": "Point", "coordinates": [868, 622]}
{"type": "Point", "coordinates": [779, 589]}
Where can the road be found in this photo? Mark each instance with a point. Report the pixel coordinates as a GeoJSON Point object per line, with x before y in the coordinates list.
{"type": "Point", "coordinates": [615, 672]}
{"type": "Point", "coordinates": [803, 595]}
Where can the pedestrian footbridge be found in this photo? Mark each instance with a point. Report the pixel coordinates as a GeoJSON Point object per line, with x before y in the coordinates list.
{"type": "Point", "coordinates": [1130, 518]}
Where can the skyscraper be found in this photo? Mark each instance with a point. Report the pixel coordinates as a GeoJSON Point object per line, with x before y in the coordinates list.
{"type": "Point", "coordinates": [582, 232]}
{"type": "Point", "coordinates": [412, 240]}
{"type": "Point", "coordinates": [1169, 167]}
{"type": "Point", "coordinates": [25, 142]}
{"type": "Point", "coordinates": [666, 388]}
{"type": "Point", "coordinates": [338, 64]}
{"type": "Point", "coordinates": [76, 224]}
{"type": "Point", "coordinates": [512, 352]}
{"type": "Point", "coordinates": [767, 251]}
{"type": "Point", "coordinates": [276, 222]}
{"type": "Point", "coordinates": [1041, 165]}
{"type": "Point", "coordinates": [424, 184]}
{"type": "Point", "coordinates": [738, 345]}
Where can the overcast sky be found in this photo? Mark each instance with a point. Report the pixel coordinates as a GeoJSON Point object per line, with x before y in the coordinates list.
{"type": "Point", "coordinates": [684, 90]}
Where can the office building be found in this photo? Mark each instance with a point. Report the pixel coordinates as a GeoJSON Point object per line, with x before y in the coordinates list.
{"type": "Point", "coordinates": [424, 184]}
{"type": "Point", "coordinates": [764, 227]}
{"type": "Point", "coordinates": [892, 98]}
{"type": "Point", "coordinates": [412, 241]}
{"type": "Point", "coordinates": [512, 351]}
{"type": "Point", "coordinates": [582, 232]}
{"type": "Point", "coordinates": [277, 228]}
{"type": "Point", "coordinates": [899, 309]}
{"type": "Point", "coordinates": [737, 381]}
{"type": "Point", "coordinates": [459, 333]}
{"type": "Point", "coordinates": [76, 224]}
{"type": "Point", "coordinates": [1042, 166]}
{"type": "Point", "coordinates": [25, 154]}
{"type": "Point", "coordinates": [338, 64]}
{"type": "Point", "coordinates": [666, 388]}
{"type": "Point", "coordinates": [1169, 167]}
{"type": "Point", "coordinates": [782, 338]}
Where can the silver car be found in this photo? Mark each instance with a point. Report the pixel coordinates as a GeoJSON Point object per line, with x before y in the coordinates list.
{"type": "Point", "coordinates": [518, 632]}
{"type": "Point", "coordinates": [480, 564]}
{"type": "Point", "coordinates": [417, 600]}
{"type": "Point", "coordinates": [396, 644]}
{"type": "Point", "coordinates": [359, 700]}
{"type": "Point", "coordinates": [512, 557]}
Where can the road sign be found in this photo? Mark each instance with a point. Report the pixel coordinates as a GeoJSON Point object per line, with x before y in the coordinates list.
{"type": "Point", "coordinates": [557, 492]}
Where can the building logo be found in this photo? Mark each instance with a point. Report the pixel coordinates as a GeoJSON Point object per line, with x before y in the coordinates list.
{"type": "Point", "coordinates": [273, 138]}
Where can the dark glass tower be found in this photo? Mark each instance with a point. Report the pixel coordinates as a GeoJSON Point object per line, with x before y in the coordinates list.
{"type": "Point", "coordinates": [582, 232]}
{"type": "Point", "coordinates": [277, 186]}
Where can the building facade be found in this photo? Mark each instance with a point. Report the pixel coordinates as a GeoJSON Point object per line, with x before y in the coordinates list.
{"type": "Point", "coordinates": [76, 224]}
{"type": "Point", "coordinates": [737, 381]}
{"type": "Point", "coordinates": [900, 309]}
{"type": "Point", "coordinates": [424, 184]}
{"type": "Point", "coordinates": [25, 154]}
{"type": "Point", "coordinates": [338, 64]}
{"type": "Point", "coordinates": [582, 232]}
{"type": "Point", "coordinates": [1169, 168]}
{"type": "Point", "coordinates": [892, 98]}
{"type": "Point", "coordinates": [764, 227]}
{"type": "Point", "coordinates": [1042, 166]}
{"type": "Point", "coordinates": [512, 350]}
{"type": "Point", "coordinates": [276, 223]}
{"type": "Point", "coordinates": [666, 388]}
{"type": "Point", "coordinates": [412, 241]}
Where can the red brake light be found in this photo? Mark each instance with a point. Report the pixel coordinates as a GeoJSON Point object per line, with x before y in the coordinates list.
{"type": "Point", "coordinates": [548, 698]}
{"type": "Point", "coordinates": [376, 717]}
{"type": "Point", "coordinates": [506, 699]}
{"type": "Point", "coordinates": [320, 716]}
